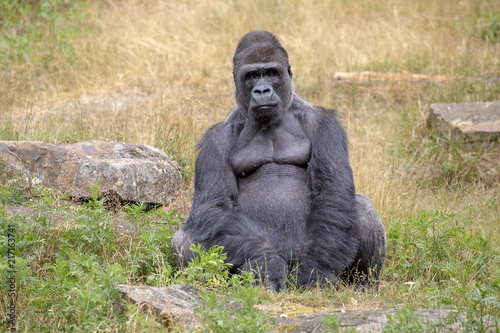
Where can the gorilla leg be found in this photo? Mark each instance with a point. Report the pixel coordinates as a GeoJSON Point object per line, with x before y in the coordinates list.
{"type": "Point", "coordinates": [364, 271]}
{"type": "Point", "coordinates": [370, 256]}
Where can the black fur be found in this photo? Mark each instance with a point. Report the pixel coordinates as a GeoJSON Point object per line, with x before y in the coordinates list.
{"type": "Point", "coordinates": [274, 186]}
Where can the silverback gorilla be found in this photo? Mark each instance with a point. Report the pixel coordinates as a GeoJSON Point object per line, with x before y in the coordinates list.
{"type": "Point", "coordinates": [274, 187]}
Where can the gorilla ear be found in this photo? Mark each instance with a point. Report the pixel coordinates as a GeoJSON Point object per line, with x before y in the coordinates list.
{"type": "Point", "coordinates": [290, 71]}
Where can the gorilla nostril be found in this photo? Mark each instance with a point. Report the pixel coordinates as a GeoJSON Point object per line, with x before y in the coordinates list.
{"type": "Point", "coordinates": [257, 91]}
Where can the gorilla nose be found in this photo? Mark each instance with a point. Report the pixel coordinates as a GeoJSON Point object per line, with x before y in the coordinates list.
{"type": "Point", "coordinates": [262, 91]}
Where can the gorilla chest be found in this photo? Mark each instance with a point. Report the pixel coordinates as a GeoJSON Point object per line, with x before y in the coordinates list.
{"type": "Point", "coordinates": [280, 146]}
{"type": "Point", "coordinates": [272, 178]}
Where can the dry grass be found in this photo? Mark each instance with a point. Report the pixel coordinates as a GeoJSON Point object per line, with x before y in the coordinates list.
{"type": "Point", "coordinates": [159, 73]}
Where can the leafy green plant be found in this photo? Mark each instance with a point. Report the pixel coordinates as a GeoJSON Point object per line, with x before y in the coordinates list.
{"type": "Point", "coordinates": [208, 267]}
{"type": "Point", "coordinates": [96, 201]}
{"type": "Point", "coordinates": [149, 253]}
{"type": "Point", "coordinates": [64, 279]}
{"type": "Point", "coordinates": [79, 293]}
{"type": "Point", "coordinates": [490, 30]}
{"type": "Point", "coordinates": [135, 211]}
{"type": "Point", "coordinates": [235, 312]}
{"type": "Point", "coordinates": [483, 307]}
{"type": "Point", "coordinates": [429, 247]}
{"type": "Point", "coordinates": [11, 194]}
{"type": "Point", "coordinates": [153, 258]}
{"type": "Point", "coordinates": [70, 258]}
{"type": "Point", "coordinates": [12, 186]}
{"type": "Point", "coordinates": [406, 321]}
{"type": "Point", "coordinates": [17, 227]}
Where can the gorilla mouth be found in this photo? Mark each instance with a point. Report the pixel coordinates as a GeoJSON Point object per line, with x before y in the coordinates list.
{"type": "Point", "coordinates": [266, 107]}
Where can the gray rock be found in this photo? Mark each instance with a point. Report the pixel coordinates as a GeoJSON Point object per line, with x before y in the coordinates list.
{"type": "Point", "coordinates": [174, 304]}
{"type": "Point", "coordinates": [126, 171]}
{"type": "Point", "coordinates": [366, 320]}
{"type": "Point", "coordinates": [177, 303]}
{"type": "Point", "coordinates": [472, 123]}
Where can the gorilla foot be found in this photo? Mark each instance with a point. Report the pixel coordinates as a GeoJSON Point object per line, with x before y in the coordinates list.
{"type": "Point", "coordinates": [310, 277]}
{"type": "Point", "coordinates": [272, 271]}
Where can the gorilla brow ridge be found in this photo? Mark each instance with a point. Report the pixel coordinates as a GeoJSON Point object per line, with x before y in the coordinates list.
{"type": "Point", "coordinates": [258, 44]}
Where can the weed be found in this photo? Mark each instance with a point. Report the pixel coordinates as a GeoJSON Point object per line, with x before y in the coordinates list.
{"type": "Point", "coordinates": [11, 194]}
{"type": "Point", "coordinates": [480, 304]}
{"type": "Point", "coordinates": [96, 202]}
{"type": "Point", "coordinates": [154, 260]}
{"type": "Point", "coordinates": [208, 267]}
{"type": "Point", "coordinates": [429, 247]}
{"type": "Point", "coordinates": [491, 28]}
{"type": "Point", "coordinates": [12, 186]}
{"type": "Point", "coordinates": [69, 260]}
{"type": "Point", "coordinates": [406, 321]}
{"type": "Point", "coordinates": [78, 294]}
{"type": "Point", "coordinates": [235, 312]}
{"type": "Point", "coordinates": [135, 211]}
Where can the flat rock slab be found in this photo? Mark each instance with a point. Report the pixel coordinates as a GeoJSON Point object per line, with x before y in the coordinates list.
{"type": "Point", "coordinates": [364, 320]}
{"type": "Point", "coordinates": [174, 304]}
{"type": "Point", "coordinates": [126, 171]}
{"type": "Point", "coordinates": [467, 122]}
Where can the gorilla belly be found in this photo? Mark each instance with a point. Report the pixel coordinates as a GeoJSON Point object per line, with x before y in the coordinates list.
{"type": "Point", "coordinates": [276, 196]}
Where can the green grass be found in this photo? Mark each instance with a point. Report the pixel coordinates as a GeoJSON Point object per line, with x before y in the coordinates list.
{"type": "Point", "coordinates": [159, 73]}
{"type": "Point", "coordinates": [69, 259]}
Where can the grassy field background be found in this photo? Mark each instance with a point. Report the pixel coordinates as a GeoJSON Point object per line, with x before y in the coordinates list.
{"type": "Point", "coordinates": [159, 73]}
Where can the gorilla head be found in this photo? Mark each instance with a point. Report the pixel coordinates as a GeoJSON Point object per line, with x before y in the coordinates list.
{"type": "Point", "coordinates": [263, 77]}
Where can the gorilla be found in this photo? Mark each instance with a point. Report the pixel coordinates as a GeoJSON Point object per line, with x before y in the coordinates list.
{"type": "Point", "coordinates": [274, 187]}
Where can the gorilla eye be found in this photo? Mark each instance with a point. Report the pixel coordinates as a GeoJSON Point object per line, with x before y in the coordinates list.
{"type": "Point", "coordinates": [251, 76]}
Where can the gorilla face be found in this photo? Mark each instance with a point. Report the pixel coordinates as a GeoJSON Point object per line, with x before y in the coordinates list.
{"type": "Point", "coordinates": [262, 77]}
{"type": "Point", "coordinates": [263, 91]}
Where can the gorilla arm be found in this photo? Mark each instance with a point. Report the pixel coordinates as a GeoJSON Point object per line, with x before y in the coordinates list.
{"type": "Point", "coordinates": [331, 238]}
